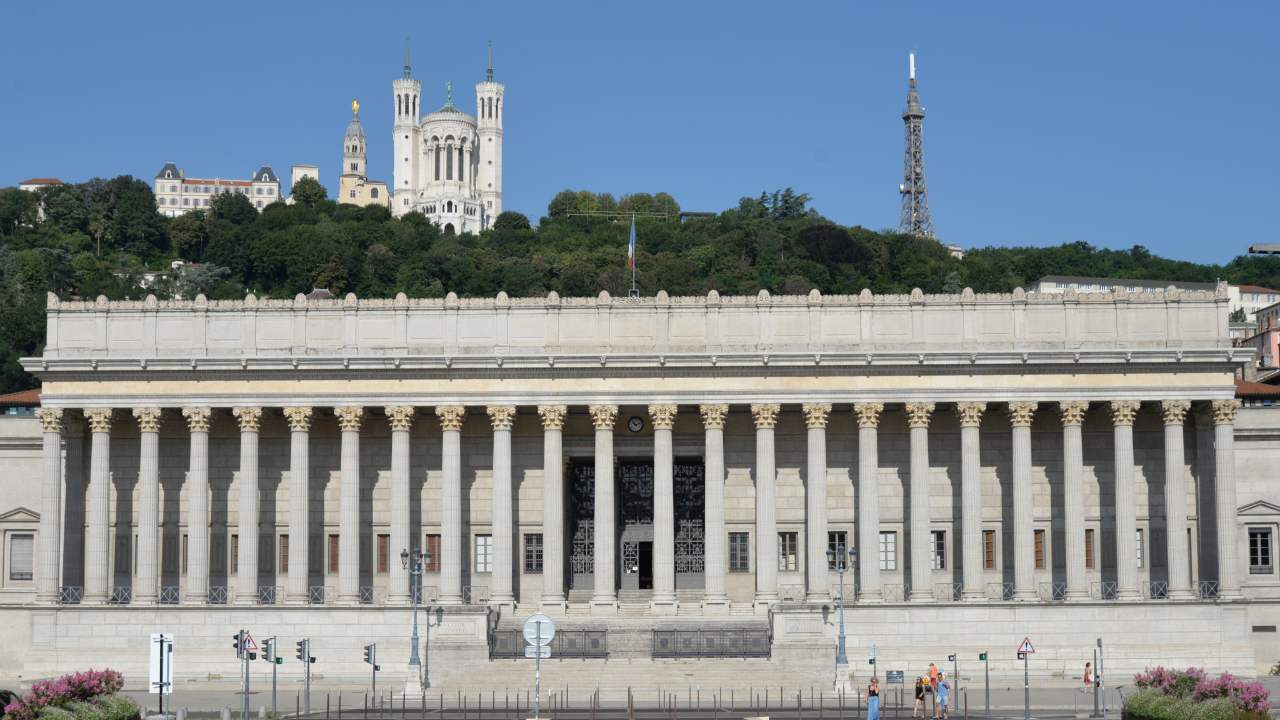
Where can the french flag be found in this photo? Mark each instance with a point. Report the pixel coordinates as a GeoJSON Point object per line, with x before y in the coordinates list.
{"type": "Point", "coordinates": [631, 248]}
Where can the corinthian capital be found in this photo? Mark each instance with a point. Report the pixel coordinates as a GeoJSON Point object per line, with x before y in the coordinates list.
{"type": "Point", "coordinates": [603, 415]}
{"type": "Point", "coordinates": [552, 416]}
{"type": "Point", "coordinates": [299, 418]}
{"type": "Point", "coordinates": [99, 419]}
{"type": "Point", "coordinates": [1123, 411]}
{"type": "Point", "coordinates": [50, 418]}
{"type": "Point", "coordinates": [502, 416]}
{"type": "Point", "coordinates": [1072, 411]}
{"type": "Point", "coordinates": [197, 418]}
{"type": "Point", "coordinates": [766, 416]}
{"type": "Point", "coordinates": [664, 416]}
{"type": "Point", "coordinates": [815, 414]}
{"type": "Point", "coordinates": [713, 415]}
{"type": "Point", "coordinates": [250, 418]}
{"type": "Point", "coordinates": [401, 416]}
{"type": "Point", "coordinates": [970, 413]}
{"type": "Point", "coordinates": [918, 414]}
{"type": "Point", "coordinates": [1175, 411]}
{"type": "Point", "coordinates": [868, 414]}
{"type": "Point", "coordinates": [451, 416]}
{"type": "Point", "coordinates": [148, 419]}
{"type": "Point", "coordinates": [1224, 411]}
{"type": "Point", "coordinates": [1020, 413]}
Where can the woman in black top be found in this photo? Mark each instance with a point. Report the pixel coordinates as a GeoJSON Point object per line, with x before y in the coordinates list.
{"type": "Point", "coordinates": [873, 700]}
{"type": "Point", "coordinates": [919, 699]}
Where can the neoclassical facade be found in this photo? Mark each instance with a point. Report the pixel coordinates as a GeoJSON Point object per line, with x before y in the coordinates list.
{"type": "Point", "coordinates": [1064, 463]}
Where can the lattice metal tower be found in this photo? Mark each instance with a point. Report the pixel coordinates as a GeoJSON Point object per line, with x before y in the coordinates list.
{"type": "Point", "coordinates": [915, 193]}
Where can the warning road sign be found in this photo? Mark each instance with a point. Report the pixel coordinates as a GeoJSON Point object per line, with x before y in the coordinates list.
{"type": "Point", "coordinates": [1025, 647]}
{"type": "Point", "coordinates": [249, 644]}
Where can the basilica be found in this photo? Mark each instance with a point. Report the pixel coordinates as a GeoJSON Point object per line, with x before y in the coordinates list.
{"type": "Point", "coordinates": [447, 163]}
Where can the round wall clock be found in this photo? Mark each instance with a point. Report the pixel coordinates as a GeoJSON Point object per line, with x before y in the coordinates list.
{"type": "Point", "coordinates": [635, 424]}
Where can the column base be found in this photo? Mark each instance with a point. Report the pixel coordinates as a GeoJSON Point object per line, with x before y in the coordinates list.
{"type": "Point", "coordinates": [664, 606]}
{"type": "Point", "coordinates": [715, 606]}
{"type": "Point", "coordinates": [1181, 594]}
{"type": "Point", "coordinates": [553, 607]}
{"type": "Point", "coordinates": [604, 606]}
{"type": "Point", "coordinates": [819, 598]}
{"type": "Point", "coordinates": [843, 683]}
{"type": "Point", "coordinates": [870, 597]}
{"type": "Point", "coordinates": [1128, 595]}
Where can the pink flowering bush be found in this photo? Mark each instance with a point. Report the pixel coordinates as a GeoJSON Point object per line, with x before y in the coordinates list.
{"type": "Point", "coordinates": [1248, 696]}
{"type": "Point", "coordinates": [1189, 695]}
{"type": "Point", "coordinates": [1178, 683]}
{"type": "Point", "coordinates": [79, 687]}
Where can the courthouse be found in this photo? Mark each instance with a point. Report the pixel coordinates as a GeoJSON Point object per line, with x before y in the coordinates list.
{"type": "Point", "coordinates": [669, 477]}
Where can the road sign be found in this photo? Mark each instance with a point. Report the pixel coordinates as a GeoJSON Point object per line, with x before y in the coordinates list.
{"type": "Point", "coordinates": [875, 652]}
{"type": "Point", "coordinates": [539, 629]}
{"type": "Point", "coordinates": [1025, 647]}
{"type": "Point", "coordinates": [545, 651]}
{"type": "Point", "coordinates": [161, 664]}
{"type": "Point", "coordinates": [893, 677]}
{"type": "Point", "coordinates": [249, 644]}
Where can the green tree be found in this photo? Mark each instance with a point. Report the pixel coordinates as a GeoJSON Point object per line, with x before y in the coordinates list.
{"type": "Point", "coordinates": [511, 220]}
{"type": "Point", "coordinates": [308, 191]}
{"type": "Point", "coordinates": [233, 208]}
{"type": "Point", "coordinates": [65, 208]}
{"type": "Point", "coordinates": [189, 235]}
{"type": "Point", "coordinates": [17, 208]}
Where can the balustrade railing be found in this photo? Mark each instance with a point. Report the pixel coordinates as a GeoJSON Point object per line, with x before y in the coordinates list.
{"type": "Point", "coordinates": [897, 593]}
{"type": "Point", "coordinates": [475, 594]}
{"type": "Point", "coordinates": [1157, 590]}
{"type": "Point", "coordinates": [321, 594]}
{"type": "Point", "coordinates": [373, 595]}
{"type": "Point", "coordinates": [850, 592]}
{"type": "Point", "coordinates": [217, 595]}
{"type": "Point", "coordinates": [791, 593]}
{"type": "Point", "coordinates": [949, 592]}
{"type": "Point", "coordinates": [1103, 591]}
{"type": "Point", "coordinates": [1053, 591]}
{"type": "Point", "coordinates": [70, 594]}
{"type": "Point", "coordinates": [120, 596]}
{"type": "Point", "coordinates": [1002, 591]}
{"type": "Point", "coordinates": [424, 594]}
{"type": "Point", "coordinates": [270, 594]}
{"type": "Point", "coordinates": [710, 643]}
{"type": "Point", "coordinates": [1207, 589]}
{"type": "Point", "coordinates": [170, 595]}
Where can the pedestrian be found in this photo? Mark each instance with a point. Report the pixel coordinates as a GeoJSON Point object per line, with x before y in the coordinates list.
{"type": "Point", "coordinates": [944, 695]}
{"type": "Point", "coordinates": [873, 699]}
{"type": "Point", "coordinates": [933, 677]}
{"type": "Point", "coordinates": [920, 699]}
{"type": "Point", "coordinates": [1088, 678]}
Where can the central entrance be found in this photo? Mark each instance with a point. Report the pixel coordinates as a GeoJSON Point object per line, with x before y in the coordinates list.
{"type": "Point", "coordinates": [633, 493]}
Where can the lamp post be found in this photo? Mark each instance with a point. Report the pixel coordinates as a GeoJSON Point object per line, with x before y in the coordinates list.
{"type": "Point", "coordinates": [837, 559]}
{"type": "Point", "coordinates": [413, 563]}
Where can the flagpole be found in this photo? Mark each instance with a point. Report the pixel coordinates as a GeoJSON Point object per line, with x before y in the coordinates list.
{"type": "Point", "coordinates": [634, 292]}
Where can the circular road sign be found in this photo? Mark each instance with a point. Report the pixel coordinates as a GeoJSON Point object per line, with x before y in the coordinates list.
{"type": "Point", "coordinates": [536, 622]}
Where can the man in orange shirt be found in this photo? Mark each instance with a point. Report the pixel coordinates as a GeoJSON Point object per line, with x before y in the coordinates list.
{"type": "Point", "coordinates": [933, 676]}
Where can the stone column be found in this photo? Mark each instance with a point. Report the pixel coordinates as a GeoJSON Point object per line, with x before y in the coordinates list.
{"type": "Point", "coordinates": [349, 419]}
{"type": "Point", "coordinates": [49, 571]}
{"type": "Point", "coordinates": [1024, 550]}
{"type": "Point", "coordinates": [766, 417]}
{"type": "Point", "coordinates": [918, 415]}
{"type": "Point", "coordinates": [819, 581]}
{"type": "Point", "coordinates": [664, 525]}
{"type": "Point", "coordinates": [503, 528]}
{"type": "Point", "coordinates": [605, 598]}
{"type": "Point", "coordinates": [869, 589]}
{"type": "Point", "coordinates": [73, 526]}
{"type": "Point", "coordinates": [553, 597]}
{"type": "Point", "coordinates": [98, 537]}
{"type": "Point", "coordinates": [451, 538]}
{"type": "Point", "coordinates": [147, 589]}
{"type": "Point", "coordinates": [715, 598]}
{"type": "Point", "coordinates": [197, 590]}
{"type": "Point", "coordinates": [971, 498]}
{"type": "Point", "coordinates": [1122, 415]}
{"type": "Point", "coordinates": [1224, 418]}
{"type": "Point", "coordinates": [1175, 499]}
{"type": "Point", "coordinates": [247, 578]}
{"type": "Point", "coordinates": [401, 418]}
{"type": "Point", "coordinates": [299, 587]}
{"type": "Point", "coordinates": [1072, 413]}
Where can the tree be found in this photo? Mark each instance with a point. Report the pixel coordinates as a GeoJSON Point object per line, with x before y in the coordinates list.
{"type": "Point", "coordinates": [1237, 316]}
{"type": "Point", "coordinates": [511, 220]}
{"type": "Point", "coordinates": [189, 235]}
{"type": "Point", "coordinates": [234, 208]}
{"type": "Point", "coordinates": [308, 191]}
{"type": "Point", "coordinates": [17, 208]}
{"type": "Point", "coordinates": [65, 208]}
{"type": "Point", "coordinates": [953, 285]}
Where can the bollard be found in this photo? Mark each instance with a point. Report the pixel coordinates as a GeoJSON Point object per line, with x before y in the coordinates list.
{"type": "Point", "coordinates": [326, 705]}
{"type": "Point", "coordinates": [226, 713]}
{"type": "Point", "coordinates": [262, 713]}
{"type": "Point", "coordinates": [182, 713]}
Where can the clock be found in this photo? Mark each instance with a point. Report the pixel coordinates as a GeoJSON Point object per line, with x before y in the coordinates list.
{"type": "Point", "coordinates": [635, 424]}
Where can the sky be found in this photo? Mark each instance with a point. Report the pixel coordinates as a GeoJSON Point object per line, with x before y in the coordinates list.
{"type": "Point", "coordinates": [1118, 124]}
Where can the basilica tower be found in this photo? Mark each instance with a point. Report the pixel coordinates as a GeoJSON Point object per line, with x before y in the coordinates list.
{"type": "Point", "coordinates": [489, 134]}
{"type": "Point", "coordinates": [353, 146]}
{"type": "Point", "coordinates": [406, 135]}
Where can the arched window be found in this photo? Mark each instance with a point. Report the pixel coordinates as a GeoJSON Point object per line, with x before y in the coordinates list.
{"type": "Point", "coordinates": [459, 164]}
{"type": "Point", "coordinates": [415, 106]}
{"type": "Point", "coordinates": [448, 207]}
{"type": "Point", "coordinates": [399, 105]}
{"type": "Point", "coordinates": [373, 193]}
{"type": "Point", "coordinates": [448, 165]}
{"type": "Point", "coordinates": [436, 155]}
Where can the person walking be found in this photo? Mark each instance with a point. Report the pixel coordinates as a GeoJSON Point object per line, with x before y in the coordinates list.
{"type": "Point", "coordinates": [873, 699]}
{"type": "Point", "coordinates": [1088, 678]}
{"type": "Point", "coordinates": [924, 709]}
{"type": "Point", "coordinates": [944, 695]}
{"type": "Point", "coordinates": [933, 677]}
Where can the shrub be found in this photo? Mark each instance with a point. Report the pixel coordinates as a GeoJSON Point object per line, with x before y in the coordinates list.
{"type": "Point", "coordinates": [1188, 695]}
{"type": "Point", "coordinates": [1248, 696]}
{"type": "Point", "coordinates": [1178, 683]}
{"type": "Point", "coordinates": [105, 707]}
{"type": "Point", "coordinates": [79, 687]}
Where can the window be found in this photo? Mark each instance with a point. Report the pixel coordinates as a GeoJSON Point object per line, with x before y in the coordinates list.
{"type": "Point", "coordinates": [271, 191]}
{"type": "Point", "coordinates": [173, 188]}
{"type": "Point", "coordinates": [888, 551]}
{"type": "Point", "coordinates": [354, 167]}
{"type": "Point", "coordinates": [989, 549]}
{"type": "Point", "coordinates": [788, 549]}
{"type": "Point", "coordinates": [938, 549]}
{"type": "Point", "coordinates": [259, 203]}
{"type": "Point", "coordinates": [384, 552]}
{"type": "Point", "coordinates": [373, 193]}
{"type": "Point", "coordinates": [353, 193]}
{"type": "Point", "coordinates": [1140, 549]}
{"type": "Point", "coordinates": [1259, 551]}
{"type": "Point", "coordinates": [1039, 549]}
{"type": "Point", "coordinates": [533, 553]}
{"type": "Point", "coordinates": [184, 554]}
{"type": "Point", "coordinates": [22, 550]}
{"type": "Point", "coordinates": [484, 553]}
{"type": "Point", "coordinates": [186, 201]}
{"type": "Point", "coordinates": [1088, 549]}
{"type": "Point", "coordinates": [837, 541]}
{"type": "Point", "coordinates": [235, 553]}
{"type": "Point", "coordinates": [284, 553]}
{"type": "Point", "coordinates": [259, 191]}
{"type": "Point", "coordinates": [433, 546]}
{"type": "Point", "coordinates": [739, 552]}
{"type": "Point", "coordinates": [206, 202]}
{"type": "Point", "coordinates": [333, 553]}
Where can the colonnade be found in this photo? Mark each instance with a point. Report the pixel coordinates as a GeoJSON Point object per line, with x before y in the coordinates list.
{"type": "Point", "coordinates": [452, 541]}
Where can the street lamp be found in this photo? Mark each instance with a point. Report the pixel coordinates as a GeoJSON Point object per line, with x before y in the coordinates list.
{"type": "Point", "coordinates": [414, 563]}
{"type": "Point", "coordinates": [835, 556]}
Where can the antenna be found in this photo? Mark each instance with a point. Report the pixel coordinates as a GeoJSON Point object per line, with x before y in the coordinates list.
{"type": "Point", "coordinates": [406, 56]}
{"type": "Point", "coordinates": [913, 64]}
{"type": "Point", "coordinates": [915, 218]}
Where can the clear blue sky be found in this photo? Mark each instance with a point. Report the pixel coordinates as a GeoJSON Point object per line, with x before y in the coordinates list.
{"type": "Point", "coordinates": [1113, 123]}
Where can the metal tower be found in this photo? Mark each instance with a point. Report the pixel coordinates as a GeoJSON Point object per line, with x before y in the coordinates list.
{"type": "Point", "coordinates": [915, 193]}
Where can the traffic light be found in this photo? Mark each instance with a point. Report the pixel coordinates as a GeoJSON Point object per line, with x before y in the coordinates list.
{"type": "Point", "coordinates": [872, 661]}
{"type": "Point", "coordinates": [1022, 656]}
{"type": "Point", "coordinates": [368, 654]}
{"type": "Point", "coordinates": [302, 650]}
{"type": "Point", "coordinates": [279, 661]}
{"type": "Point", "coordinates": [951, 658]}
{"type": "Point", "coordinates": [238, 639]}
{"type": "Point", "coordinates": [983, 656]}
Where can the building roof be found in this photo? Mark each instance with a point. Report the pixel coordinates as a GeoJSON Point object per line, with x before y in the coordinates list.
{"type": "Point", "coordinates": [1256, 289]}
{"type": "Point", "coordinates": [266, 174]}
{"type": "Point", "coordinates": [355, 131]}
{"type": "Point", "coordinates": [25, 398]}
{"type": "Point", "coordinates": [197, 181]}
{"type": "Point", "coordinates": [42, 181]}
{"type": "Point", "coordinates": [169, 168]}
{"type": "Point", "coordinates": [1248, 388]}
{"type": "Point", "coordinates": [1075, 280]}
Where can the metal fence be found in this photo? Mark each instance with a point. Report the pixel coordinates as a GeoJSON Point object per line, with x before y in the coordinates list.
{"type": "Point", "coordinates": [1000, 591]}
{"type": "Point", "coordinates": [850, 592]}
{"type": "Point", "coordinates": [948, 591]}
{"type": "Point", "coordinates": [373, 595]}
{"type": "Point", "coordinates": [270, 594]}
{"type": "Point", "coordinates": [424, 594]}
{"type": "Point", "coordinates": [897, 593]}
{"type": "Point", "coordinates": [475, 594]}
{"type": "Point", "coordinates": [170, 595]}
{"type": "Point", "coordinates": [1103, 591]}
{"type": "Point", "coordinates": [1207, 589]}
{"type": "Point", "coordinates": [70, 594]}
{"type": "Point", "coordinates": [1053, 591]}
{"type": "Point", "coordinates": [511, 644]}
{"type": "Point", "coordinates": [710, 643]}
{"type": "Point", "coordinates": [120, 596]}
{"type": "Point", "coordinates": [1157, 590]}
{"type": "Point", "coordinates": [321, 594]}
{"type": "Point", "coordinates": [217, 595]}
{"type": "Point", "coordinates": [791, 593]}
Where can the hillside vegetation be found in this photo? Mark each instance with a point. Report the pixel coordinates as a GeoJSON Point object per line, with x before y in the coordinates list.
{"type": "Point", "coordinates": [97, 238]}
